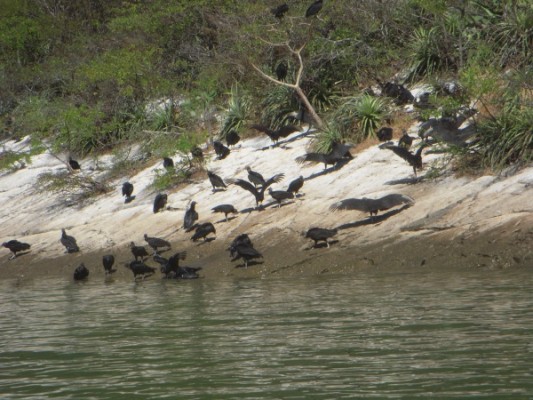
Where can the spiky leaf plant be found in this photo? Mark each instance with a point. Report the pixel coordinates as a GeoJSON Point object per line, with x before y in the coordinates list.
{"type": "Point", "coordinates": [277, 106]}
{"type": "Point", "coordinates": [239, 107]}
{"type": "Point", "coordinates": [369, 111]}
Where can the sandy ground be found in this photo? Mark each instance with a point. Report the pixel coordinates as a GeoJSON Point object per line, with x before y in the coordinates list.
{"type": "Point", "coordinates": [461, 222]}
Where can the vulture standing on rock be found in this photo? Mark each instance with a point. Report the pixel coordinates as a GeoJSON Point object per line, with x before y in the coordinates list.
{"type": "Point", "coordinates": [216, 181]}
{"type": "Point", "coordinates": [138, 251]}
{"type": "Point", "coordinates": [338, 152]}
{"type": "Point", "coordinates": [127, 190]}
{"type": "Point", "coordinates": [372, 206]}
{"type": "Point", "coordinates": [255, 177]}
{"type": "Point", "coordinates": [320, 234]}
{"type": "Point", "coordinates": [296, 185]}
{"type": "Point", "coordinates": [242, 247]}
{"type": "Point", "coordinates": [203, 230]}
{"type": "Point", "coordinates": [226, 209]}
{"type": "Point", "coordinates": [108, 261]}
{"type": "Point", "coordinates": [414, 160]}
{"type": "Point", "coordinates": [259, 194]}
{"type": "Point", "coordinates": [405, 141]}
{"type": "Point", "coordinates": [155, 243]}
{"type": "Point", "coordinates": [160, 202]}
{"type": "Point", "coordinates": [168, 162]}
{"type": "Point", "coordinates": [190, 217]}
{"type": "Point", "coordinates": [280, 195]}
{"type": "Point", "coordinates": [73, 163]}
{"type": "Point", "coordinates": [232, 138]}
{"type": "Point", "coordinates": [15, 246]}
{"type": "Point", "coordinates": [69, 242]}
{"type": "Point", "coordinates": [384, 134]}
{"type": "Point", "coordinates": [81, 272]}
{"type": "Point", "coordinates": [282, 132]}
{"type": "Point", "coordinates": [220, 150]}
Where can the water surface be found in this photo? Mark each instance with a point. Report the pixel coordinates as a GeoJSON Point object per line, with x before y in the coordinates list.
{"type": "Point", "coordinates": [376, 334]}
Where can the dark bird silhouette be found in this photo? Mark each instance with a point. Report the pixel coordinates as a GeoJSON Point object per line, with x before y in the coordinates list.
{"type": "Point", "coordinates": [314, 9]}
{"type": "Point", "coordinates": [405, 141]}
{"type": "Point", "coordinates": [108, 261]}
{"type": "Point", "coordinates": [398, 92]}
{"type": "Point", "coordinates": [232, 138]}
{"type": "Point", "coordinates": [190, 217]}
{"type": "Point", "coordinates": [216, 181]}
{"type": "Point", "coordinates": [81, 272]}
{"type": "Point", "coordinates": [280, 11]}
{"type": "Point", "coordinates": [372, 206]}
{"type": "Point", "coordinates": [73, 163]}
{"type": "Point", "coordinates": [138, 251]}
{"type": "Point", "coordinates": [170, 265]}
{"type": "Point", "coordinates": [127, 190]}
{"type": "Point", "coordinates": [259, 194]}
{"type": "Point", "coordinates": [160, 202]}
{"type": "Point", "coordinates": [245, 252]}
{"type": "Point", "coordinates": [155, 243]}
{"type": "Point", "coordinates": [226, 209]}
{"type": "Point", "coordinates": [69, 242]}
{"type": "Point", "coordinates": [168, 162]}
{"type": "Point", "coordinates": [203, 230]}
{"type": "Point", "coordinates": [220, 150]}
{"type": "Point", "coordinates": [280, 195]}
{"type": "Point", "coordinates": [15, 246]}
{"type": "Point", "coordinates": [242, 239]}
{"type": "Point", "coordinates": [296, 185]}
{"type": "Point", "coordinates": [255, 177]}
{"type": "Point", "coordinates": [338, 152]}
{"type": "Point", "coordinates": [172, 269]}
{"type": "Point", "coordinates": [384, 134]}
{"type": "Point", "coordinates": [160, 260]}
{"type": "Point", "coordinates": [197, 153]}
{"type": "Point", "coordinates": [281, 70]}
{"type": "Point", "coordinates": [139, 268]}
{"type": "Point", "coordinates": [414, 160]}
{"type": "Point", "coordinates": [275, 135]}
{"type": "Point", "coordinates": [320, 234]}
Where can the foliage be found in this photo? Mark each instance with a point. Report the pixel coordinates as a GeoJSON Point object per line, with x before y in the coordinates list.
{"type": "Point", "coordinates": [239, 105]}
{"type": "Point", "coordinates": [369, 112]}
{"type": "Point", "coordinates": [277, 105]}
{"type": "Point", "coordinates": [170, 178]}
{"type": "Point", "coordinates": [325, 139]}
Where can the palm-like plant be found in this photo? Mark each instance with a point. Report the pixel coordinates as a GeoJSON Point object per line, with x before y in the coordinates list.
{"type": "Point", "coordinates": [369, 112]}
{"type": "Point", "coordinates": [239, 106]}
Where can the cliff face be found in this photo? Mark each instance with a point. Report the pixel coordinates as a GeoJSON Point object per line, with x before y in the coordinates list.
{"type": "Point", "coordinates": [446, 210]}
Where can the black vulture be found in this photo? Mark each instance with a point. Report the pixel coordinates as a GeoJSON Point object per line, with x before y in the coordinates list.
{"type": "Point", "coordinates": [280, 10]}
{"type": "Point", "coordinates": [281, 70]}
{"type": "Point", "coordinates": [155, 243]}
{"type": "Point", "coordinates": [127, 190]}
{"type": "Point", "coordinates": [69, 242]}
{"type": "Point", "coordinates": [73, 163]}
{"type": "Point", "coordinates": [398, 92]}
{"type": "Point", "coordinates": [245, 252]}
{"type": "Point", "coordinates": [226, 209]}
{"type": "Point", "coordinates": [242, 239]}
{"type": "Point", "coordinates": [384, 134]}
{"type": "Point", "coordinates": [81, 272]}
{"type": "Point", "coordinates": [405, 141]}
{"type": "Point", "coordinates": [168, 162]}
{"type": "Point", "coordinates": [280, 195]}
{"type": "Point", "coordinates": [15, 246]}
{"type": "Point", "coordinates": [220, 150]}
{"type": "Point", "coordinates": [197, 153]}
{"type": "Point", "coordinates": [372, 206]}
{"type": "Point", "coordinates": [314, 9]}
{"type": "Point", "coordinates": [108, 261]}
{"type": "Point", "coordinates": [138, 251]}
{"type": "Point", "coordinates": [414, 160]}
{"type": "Point", "coordinates": [139, 268]}
{"type": "Point", "coordinates": [320, 234]}
{"type": "Point", "coordinates": [282, 132]}
{"type": "Point", "coordinates": [171, 265]}
{"type": "Point", "coordinates": [296, 185]}
{"type": "Point", "coordinates": [258, 194]}
{"type": "Point", "coordinates": [338, 152]}
{"type": "Point", "coordinates": [232, 138]}
{"type": "Point", "coordinates": [160, 260]}
{"type": "Point", "coordinates": [160, 202]}
{"type": "Point", "coordinates": [190, 217]}
{"type": "Point", "coordinates": [255, 177]}
{"type": "Point", "coordinates": [216, 181]}
{"type": "Point", "coordinates": [203, 230]}
{"type": "Point", "coordinates": [173, 270]}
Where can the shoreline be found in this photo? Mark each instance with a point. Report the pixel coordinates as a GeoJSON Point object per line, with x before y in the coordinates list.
{"type": "Point", "coordinates": [508, 246]}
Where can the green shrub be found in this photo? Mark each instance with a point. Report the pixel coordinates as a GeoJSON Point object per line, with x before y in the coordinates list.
{"type": "Point", "coordinates": [238, 111]}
